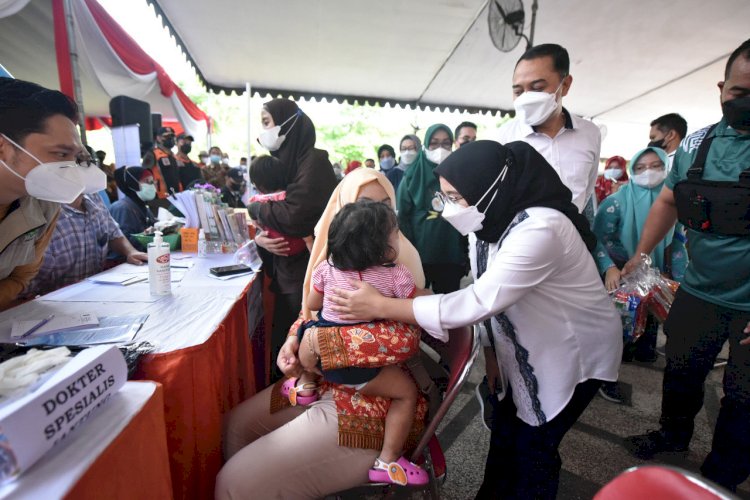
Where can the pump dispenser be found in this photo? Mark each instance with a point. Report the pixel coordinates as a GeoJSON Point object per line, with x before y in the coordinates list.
{"type": "Point", "coordinates": [159, 271]}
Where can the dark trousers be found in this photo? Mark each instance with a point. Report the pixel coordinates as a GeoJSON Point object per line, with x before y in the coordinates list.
{"type": "Point", "coordinates": [696, 331]}
{"type": "Point", "coordinates": [444, 278]}
{"type": "Point", "coordinates": [523, 461]}
{"type": "Point", "coordinates": [286, 308]}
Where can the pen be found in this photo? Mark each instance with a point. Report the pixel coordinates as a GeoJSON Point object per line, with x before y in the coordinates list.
{"type": "Point", "coordinates": [38, 326]}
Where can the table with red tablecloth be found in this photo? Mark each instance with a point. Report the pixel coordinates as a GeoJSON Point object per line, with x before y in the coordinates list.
{"type": "Point", "coordinates": [205, 354]}
{"type": "Point", "coordinates": [120, 452]}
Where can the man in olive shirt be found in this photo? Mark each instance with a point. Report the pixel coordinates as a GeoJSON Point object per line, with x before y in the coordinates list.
{"type": "Point", "coordinates": [713, 302]}
{"type": "Point", "coordinates": [37, 131]}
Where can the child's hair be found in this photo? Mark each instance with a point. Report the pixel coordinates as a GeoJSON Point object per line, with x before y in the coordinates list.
{"type": "Point", "coordinates": [358, 236]}
{"type": "Point", "coordinates": [267, 174]}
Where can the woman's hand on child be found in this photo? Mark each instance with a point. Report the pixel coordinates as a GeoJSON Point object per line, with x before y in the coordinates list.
{"type": "Point", "coordinates": [287, 359]}
{"type": "Point", "coordinates": [277, 246]}
{"type": "Point", "coordinates": [612, 278]}
{"type": "Point", "coordinates": [360, 304]}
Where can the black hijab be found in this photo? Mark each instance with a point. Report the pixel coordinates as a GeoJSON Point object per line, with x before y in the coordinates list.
{"type": "Point", "coordinates": [300, 134]}
{"type": "Point", "coordinates": [129, 183]}
{"type": "Point", "coordinates": [529, 182]}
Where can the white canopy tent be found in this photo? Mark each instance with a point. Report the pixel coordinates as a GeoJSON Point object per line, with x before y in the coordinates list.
{"type": "Point", "coordinates": [28, 45]}
{"type": "Point", "coordinates": [631, 61]}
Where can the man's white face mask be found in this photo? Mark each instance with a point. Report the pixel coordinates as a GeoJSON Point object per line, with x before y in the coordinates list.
{"type": "Point", "coordinates": [533, 108]}
{"type": "Point", "coordinates": [60, 181]}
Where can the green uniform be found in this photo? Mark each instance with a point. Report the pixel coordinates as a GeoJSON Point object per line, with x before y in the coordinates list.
{"type": "Point", "coordinates": [719, 267]}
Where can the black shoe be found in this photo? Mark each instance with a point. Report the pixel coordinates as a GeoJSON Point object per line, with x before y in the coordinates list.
{"type": "Point", "coordinates": [645, 446]}
{"type": "Point", "coordinates": [611, 392]}
{"type": "Point", "coordinates": [484, 396]}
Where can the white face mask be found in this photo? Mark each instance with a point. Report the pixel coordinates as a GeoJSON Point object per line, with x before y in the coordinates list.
{"type": "Point", "coordinates": [437, 155]}
{"type": "Point", "coordinates": [533, 108]}
{"type": "Point", "coordinates": [469, 219]}
{"type": "Point", "coordinates": [650, 178]}
{"type": "Point", "coordinates": [58, 181]}
{"type": "Point", "coordinates": [147, 192]}
{"type": "Point", "coordinates": [270, 138]}
{"type": "Point", "coordinates": [408, 156]}
{"type": "Point", "coordinates": [94, 179]}
{"type": "Point", "coordinates": [613, 174]}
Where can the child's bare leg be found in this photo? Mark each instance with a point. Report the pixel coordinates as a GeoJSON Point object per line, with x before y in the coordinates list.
{"type": "Point", "coordinates": [392, 382]}
{"type": "Point", "coordinates": [305, 378]}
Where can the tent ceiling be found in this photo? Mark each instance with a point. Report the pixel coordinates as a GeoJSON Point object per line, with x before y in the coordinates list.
{"type": "Point", "coordinates": [27, 50]}
{"type": "Point", "coordinates": [631, 61]}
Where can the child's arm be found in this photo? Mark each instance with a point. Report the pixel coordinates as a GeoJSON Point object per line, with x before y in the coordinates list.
{"type": "Point", "coordinates": [314, 300]}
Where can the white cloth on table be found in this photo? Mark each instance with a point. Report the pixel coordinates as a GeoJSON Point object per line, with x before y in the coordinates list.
{"type": "Point", "coordinates": [559, 327]}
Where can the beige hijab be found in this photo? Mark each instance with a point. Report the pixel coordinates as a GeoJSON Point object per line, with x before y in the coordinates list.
{"type": "Point", "coordinates": [347, 192]}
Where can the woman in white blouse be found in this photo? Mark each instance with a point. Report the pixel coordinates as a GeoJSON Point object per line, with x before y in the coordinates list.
{"type": "Point", "coordinates": [555, 334]}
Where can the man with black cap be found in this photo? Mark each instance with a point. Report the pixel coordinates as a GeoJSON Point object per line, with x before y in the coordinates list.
{"type": "Point", "coordinates": [163, 164]}
{"type": "Point", "coordinates": [190, 172]}
{"type": "Point", "coordinates": [235, 187]}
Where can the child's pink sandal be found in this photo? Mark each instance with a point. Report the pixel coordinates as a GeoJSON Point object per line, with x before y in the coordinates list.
{"type": "Point", "coordinates": [400, 472]}
{"type": "Point", "coordinates": [290, 390]}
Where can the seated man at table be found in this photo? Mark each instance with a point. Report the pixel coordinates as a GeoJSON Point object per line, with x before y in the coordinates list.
{"type": "Point", "coordinates": [84, 233]}
{"type": "Point", "coordinates": [37, 133]}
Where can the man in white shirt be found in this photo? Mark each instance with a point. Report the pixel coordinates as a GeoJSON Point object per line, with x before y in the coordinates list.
{"type": "Point", "coordinates": [666, 133]}
{"type": "Point", "coordinates": [568, 143]}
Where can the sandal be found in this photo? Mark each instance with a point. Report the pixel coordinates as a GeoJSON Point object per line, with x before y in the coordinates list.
{"type": "Point", "coordinates": [290, 390]}
{"type": "Point", "coordinates": [401, 472]}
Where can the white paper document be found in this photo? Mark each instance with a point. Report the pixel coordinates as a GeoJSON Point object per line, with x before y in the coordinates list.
{"type": "Point", "coordinates": [56, 324]}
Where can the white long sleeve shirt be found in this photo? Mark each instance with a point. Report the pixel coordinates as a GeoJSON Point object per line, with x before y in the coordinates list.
{"type": "Point", "coordinates": [573, 152]}
{"type": "Point", "coordinates": [553, 324]}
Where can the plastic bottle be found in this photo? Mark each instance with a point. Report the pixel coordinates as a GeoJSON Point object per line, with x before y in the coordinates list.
{"type": "Point", "coordinates": [159, 271]}
{"type": "Point", "coordinates": [202, 245]}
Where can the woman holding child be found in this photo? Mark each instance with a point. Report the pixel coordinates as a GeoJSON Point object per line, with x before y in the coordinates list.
{"type": "Point", "coordinates": [275, 450]}
{"type": "Point", "coordinates": [308, 180]}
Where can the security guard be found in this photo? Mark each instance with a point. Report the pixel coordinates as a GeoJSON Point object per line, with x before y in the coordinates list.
{"type": "Point", "coordinates": [708, 189]}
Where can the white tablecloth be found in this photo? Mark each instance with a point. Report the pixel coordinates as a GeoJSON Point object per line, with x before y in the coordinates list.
{"type": "Point", "coordinates": [188, 317]}
{"type": "Point", "coordinates": [53, 476]}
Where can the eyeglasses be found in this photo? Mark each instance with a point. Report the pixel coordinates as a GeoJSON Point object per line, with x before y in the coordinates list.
{"type": "Point", "coordinates": [447, 144]}
{"type": "Point", "coordinates": [440, 200]}
{"type": "Point", "coordinates": [85, 161]}
{"type": "Point", "coordinates": [642, 167]}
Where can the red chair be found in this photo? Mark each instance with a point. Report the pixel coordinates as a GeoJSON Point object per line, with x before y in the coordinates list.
{"type": "Point", "coordinates": [459, 356]}
{"type": "Point", "coordinates": [662, 482]}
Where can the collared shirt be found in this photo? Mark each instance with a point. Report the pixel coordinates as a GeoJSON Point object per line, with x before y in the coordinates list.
{"type": "Point", "coordinates": [553, 324]}
{"type": "Point", "coordinates": [78, 247]}
{"type": "Point", "coordinates": [573, 152]}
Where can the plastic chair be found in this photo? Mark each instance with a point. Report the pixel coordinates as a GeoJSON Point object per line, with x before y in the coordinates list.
{"type": "Point", "coordinates": [662, 482]}
{"type": "Point", "coordinates": [459, 356]}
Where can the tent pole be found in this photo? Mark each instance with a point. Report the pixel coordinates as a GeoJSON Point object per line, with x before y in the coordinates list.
{"type": "Point", "coordinates": [249, 94]}
{"type": "Point", "coordinates": [69, 25]}
{"type": "Point", "coordinates": [534, 7]}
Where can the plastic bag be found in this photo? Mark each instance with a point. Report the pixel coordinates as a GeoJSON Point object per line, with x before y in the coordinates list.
{"type": "Point", "coordinates": [642, 292]}
{"type": "Point", "coordinates": [248, 255]}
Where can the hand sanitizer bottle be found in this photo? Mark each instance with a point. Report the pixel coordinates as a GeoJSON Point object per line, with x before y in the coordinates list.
{"type": "Point", "coordinates": [159, 271]}
{"type": "Point", "coordinates": [202, 244]}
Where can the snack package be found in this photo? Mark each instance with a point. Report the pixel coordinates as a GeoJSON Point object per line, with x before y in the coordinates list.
{"type": "Point", "coordinates": [642, 292]}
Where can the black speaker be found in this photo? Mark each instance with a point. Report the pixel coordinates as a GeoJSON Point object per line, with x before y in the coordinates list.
{"type": "Point", "coordinates": [128, 111]}
{"type": "Point", "coordinates": [155, 125]}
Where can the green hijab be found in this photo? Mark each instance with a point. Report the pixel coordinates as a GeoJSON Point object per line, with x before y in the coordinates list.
{"type": "Point", "coordinates": [635, 203]}
{"type": "Point", "coordinates": [419, 179]}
